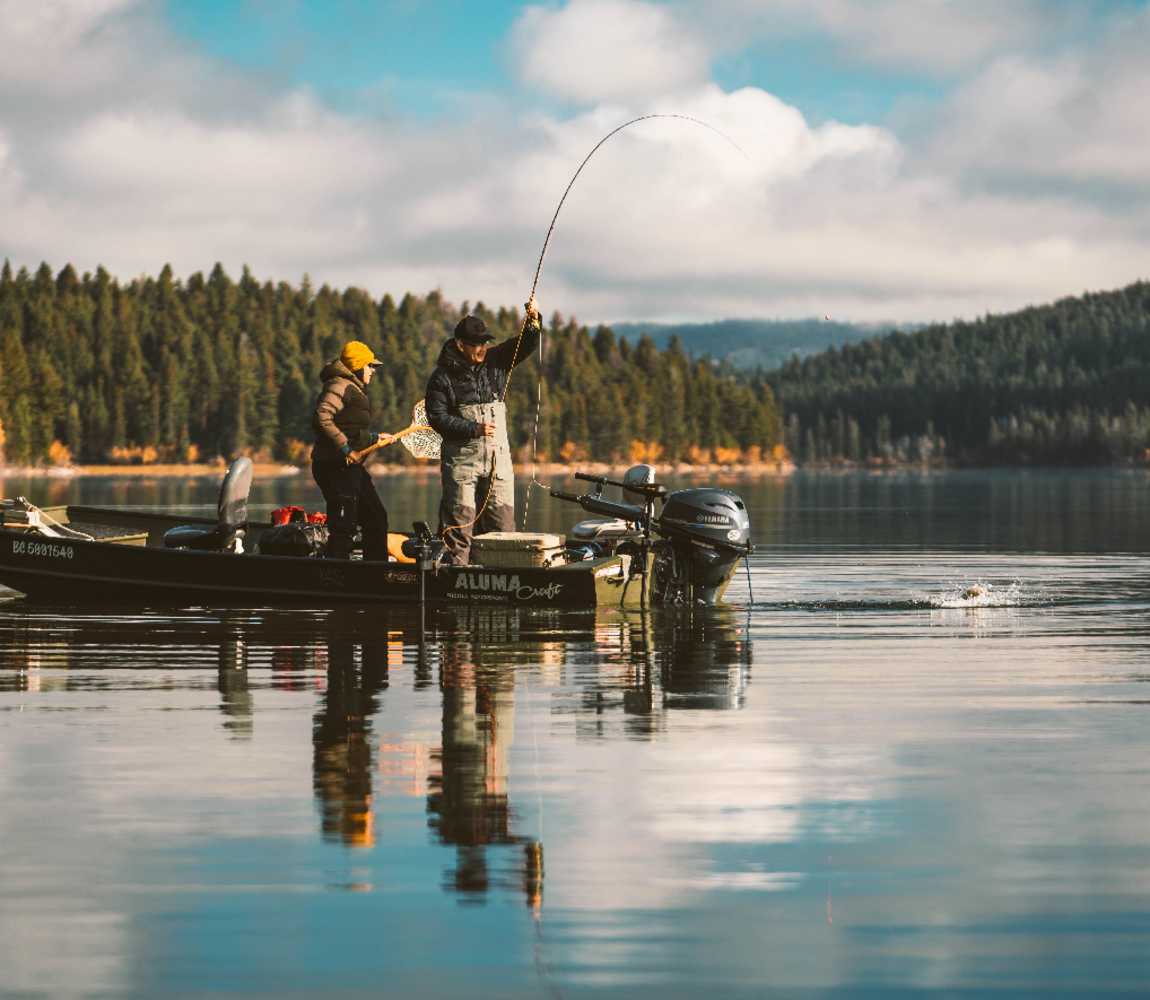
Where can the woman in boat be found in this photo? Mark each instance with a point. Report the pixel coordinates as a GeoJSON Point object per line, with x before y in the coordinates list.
{"type": "Point", "coordinates": [465, 405]}
{"type": "Point", "coordinates": [342, 422]}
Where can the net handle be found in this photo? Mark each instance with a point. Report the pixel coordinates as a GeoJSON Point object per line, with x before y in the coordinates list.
{"type": "Point", "coordinates": [392, 438]}
{"type": "Point", "coordinates": [418, 416]}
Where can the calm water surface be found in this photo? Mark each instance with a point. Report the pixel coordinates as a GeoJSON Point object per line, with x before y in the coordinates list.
{"type": "Point", "coordinates": [857, 780]}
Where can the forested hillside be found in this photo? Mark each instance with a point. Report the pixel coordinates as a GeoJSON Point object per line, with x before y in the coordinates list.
{"type": "Point", "coordinates": [92, 370]}
{"type": "Point", "coordinates": [751, 343]}
{"type": "Point", "coordinates": [1067, 383]}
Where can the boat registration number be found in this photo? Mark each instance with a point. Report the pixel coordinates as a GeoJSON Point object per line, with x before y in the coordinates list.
{"type": "Point", "coordinates": [42, 550]}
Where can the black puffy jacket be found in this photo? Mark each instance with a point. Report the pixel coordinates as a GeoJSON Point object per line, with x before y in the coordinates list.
{"type": "Point", "coordinates": [457, 382]}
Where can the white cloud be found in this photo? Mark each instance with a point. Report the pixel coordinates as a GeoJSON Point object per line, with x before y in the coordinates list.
{"type": "Point", "coordinates": [1079, 116]}
{"type": "Point", "coordinates": [933, 35]}
{"type": "Point", "coordinates": [607, 50]}
{"type": "Point", "coordinates": [65, 46]}
{"type": "Point", "coordinates": [936, 37]}
{"type": "Point", "coordinates": [133, 151]}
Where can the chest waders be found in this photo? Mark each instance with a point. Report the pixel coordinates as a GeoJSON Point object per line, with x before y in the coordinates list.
{"type": "Point", "coordinates": [478, 483]}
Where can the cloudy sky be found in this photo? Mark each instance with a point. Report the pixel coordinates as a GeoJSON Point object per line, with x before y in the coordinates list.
{"type": "Point", "coordinates": [896, 159]}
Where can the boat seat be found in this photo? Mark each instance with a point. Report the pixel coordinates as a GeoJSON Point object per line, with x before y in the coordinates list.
{"type": "Point", "coordinates": [615, 529]}
{"type": "Point", "coordinates": [395, 543]}
{"type": "Point", "coordinates": [604, 529]}
{"type": "Point", "coordinates": [231, 516]}
{"type": "Point", "coordinates": [208, 537]}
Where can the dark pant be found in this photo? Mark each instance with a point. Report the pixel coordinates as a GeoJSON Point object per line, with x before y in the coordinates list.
{"type": "Point", "coordinates": [351, 500]}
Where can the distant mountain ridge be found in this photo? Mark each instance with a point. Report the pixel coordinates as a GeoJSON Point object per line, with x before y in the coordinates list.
{"type": "Point", "coordinates": [753, 343]}
{"type": "Point", "coordinates": [1066, 383]}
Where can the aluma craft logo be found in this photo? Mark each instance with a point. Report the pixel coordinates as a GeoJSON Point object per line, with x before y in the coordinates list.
{"type": "Point", "coordinates": [502, 583]}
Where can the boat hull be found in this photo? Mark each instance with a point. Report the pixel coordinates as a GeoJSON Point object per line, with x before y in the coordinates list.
{"type": "Point", "coordinates": [75, 571]}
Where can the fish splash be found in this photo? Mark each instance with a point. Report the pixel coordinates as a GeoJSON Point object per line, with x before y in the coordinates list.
{"type": "Point", "coordinates": [980, 595]}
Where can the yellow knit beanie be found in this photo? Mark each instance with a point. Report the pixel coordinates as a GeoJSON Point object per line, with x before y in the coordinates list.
{"type": "Point", "coordinates": [356, 355]}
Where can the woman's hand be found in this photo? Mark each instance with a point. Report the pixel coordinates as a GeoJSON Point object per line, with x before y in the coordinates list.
{"type": "Point", "coordinates": [381, 441]}
{"type": "Point", "coordinates": [533, 312]}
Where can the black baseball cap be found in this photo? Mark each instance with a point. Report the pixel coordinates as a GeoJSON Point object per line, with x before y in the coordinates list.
{"type": "Point", "coordinates": [472, 330]}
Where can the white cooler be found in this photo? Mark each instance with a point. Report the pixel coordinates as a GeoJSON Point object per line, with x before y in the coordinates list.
{"type": "Point", "coordinates": [517, 549]}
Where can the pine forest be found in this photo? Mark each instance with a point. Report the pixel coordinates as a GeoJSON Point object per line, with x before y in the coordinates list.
{"type": "Point", "coordinates": [97, 371]}
{"type": "Point", "coordinates": [94, 371]}
{"type": "Point", "coordinates": [1063, 384]}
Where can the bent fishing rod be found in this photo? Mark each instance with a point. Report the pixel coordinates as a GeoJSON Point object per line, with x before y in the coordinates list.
{"type": "Point", "coordinates": [418, 422]}
{"type": "Point", "coordinates": [543, 254]}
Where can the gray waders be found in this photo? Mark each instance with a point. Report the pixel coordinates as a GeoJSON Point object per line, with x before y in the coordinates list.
{"type": "Point", "coordinates": [469, 470]}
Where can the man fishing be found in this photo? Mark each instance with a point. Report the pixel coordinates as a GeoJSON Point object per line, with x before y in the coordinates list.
{"type": "Point", "coordinates": [465, 405]}
{"type": "Point", "coordinates": [342, 421]}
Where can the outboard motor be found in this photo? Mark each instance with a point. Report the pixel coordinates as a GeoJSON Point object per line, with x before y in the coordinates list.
{"type": "Point", "coordinates": [231, 516]}
{"type": "Point", "coordinates": [706, 532]}
{"type": "Point", "coordinates": [702, 534]}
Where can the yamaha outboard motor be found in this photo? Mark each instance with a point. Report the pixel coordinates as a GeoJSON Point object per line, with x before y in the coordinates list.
{"type": "Point", "coordinates": [706, 532]}
{"type": "Point", "coordinates": [701, 534]}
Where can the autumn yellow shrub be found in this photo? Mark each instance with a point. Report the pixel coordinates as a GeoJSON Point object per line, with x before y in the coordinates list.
{"type": "Point", "coordinates": [59, 454]}
{"type": "Point", "coordinates": [297, 452]}
{"type": "Point", "coordinates": [645, 451]}
{"type": "Point", "coordinates": [572, 452]}
{"type": "Point", "coordinates": [133, 455]}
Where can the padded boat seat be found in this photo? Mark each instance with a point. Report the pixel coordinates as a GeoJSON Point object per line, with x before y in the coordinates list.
{"type": "Point", "coordinates": [231, 516]}
{"type": "Point", "coordinates": [604, 529]}
{"type": "Point", "coordinates": [395, 547]}
{"type": "Point", "coordinates": [210, 537]}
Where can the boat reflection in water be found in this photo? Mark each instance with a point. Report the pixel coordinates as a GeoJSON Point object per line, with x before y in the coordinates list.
{"type": "Point", "coordinates": [467, 800]}
{"type": "Point", "coordinates": [556, 669]}
{"type": "Point", "coordinates": [357, 675]}
{"type": "Point", "coordinates": [644, 666]}
{"type": "Point", "coordinates": [236, 702]}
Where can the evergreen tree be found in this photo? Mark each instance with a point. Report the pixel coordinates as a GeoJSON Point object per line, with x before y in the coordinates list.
{"type": "Point", "coordinates": [157, 367]}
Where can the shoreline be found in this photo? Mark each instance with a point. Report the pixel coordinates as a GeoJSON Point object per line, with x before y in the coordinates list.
{"type": "Point", "coordinates": [554, 470]}
{"type": "Point", "coordinates": [273, 470]}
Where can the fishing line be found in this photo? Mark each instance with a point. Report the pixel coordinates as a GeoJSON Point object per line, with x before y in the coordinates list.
{"type": "Point", "coordinates": [594, 150]}
{"type": "Point", "coordinates": [543, 254]}
{"type": "Point", "coordinates": [535, 285]}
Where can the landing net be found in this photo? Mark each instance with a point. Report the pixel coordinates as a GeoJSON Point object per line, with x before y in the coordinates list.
{"type": "Point", "coordinates": [420, 438]}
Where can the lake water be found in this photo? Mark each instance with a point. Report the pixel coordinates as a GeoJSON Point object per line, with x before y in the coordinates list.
{"type": "Point", "coordinates": [855, 781]}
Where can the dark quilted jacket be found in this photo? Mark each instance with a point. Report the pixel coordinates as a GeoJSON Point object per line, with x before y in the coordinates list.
{"type": "Point", "coordinates": [457, 382]}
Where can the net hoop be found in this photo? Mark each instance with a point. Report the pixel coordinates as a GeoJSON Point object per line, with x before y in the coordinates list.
{"type": "Point", "coordinates": [424, 442]}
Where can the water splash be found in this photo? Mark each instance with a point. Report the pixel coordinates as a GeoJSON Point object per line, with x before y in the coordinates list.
{"type": "Point", "coordinates": [982, 595]}
{"type": "Point", "coordinates": [960, 595]}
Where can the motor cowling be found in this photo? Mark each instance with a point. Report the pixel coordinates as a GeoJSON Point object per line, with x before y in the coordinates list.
{"type": "Point", "coordinates": [708, 515]}
{"type": "Point", "coordinates": [708, 531]}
